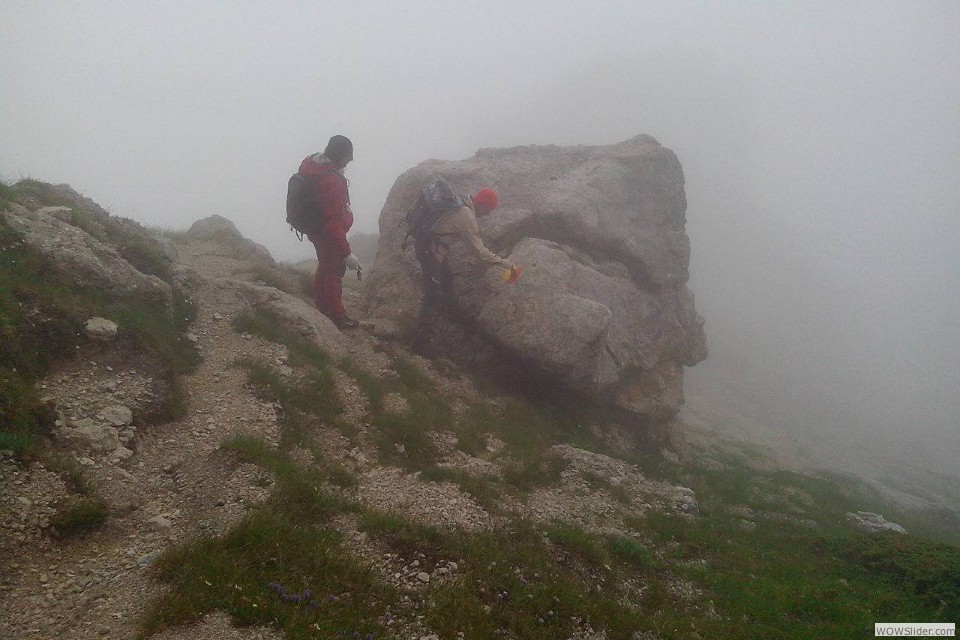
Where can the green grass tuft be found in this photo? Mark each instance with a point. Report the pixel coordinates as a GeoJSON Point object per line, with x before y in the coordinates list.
{"type": "Point", "coordinates": [630, 552]}
{"type": "Point", "coordinates": [929, 569]}
{"type": "Point", "coordinates": [7, 193]}
{"type": "Point", "coordinates": [80, 516]}
{"type": "Point", "coordinates": [234, 573]}
{"type": "Point", "coordinates": [303, 352]}
{"type": "Point", "coordinates": [410, 428]}
{"type": "Point", "coordinates": [586, 547]}
{"type": "Point", "coordinates": [533, 472]}
{"type": "Point", "coordinates": [313, 393]}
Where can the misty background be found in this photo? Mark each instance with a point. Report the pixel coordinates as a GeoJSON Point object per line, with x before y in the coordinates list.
{"type": "Point", "coordinates": [820, 143]}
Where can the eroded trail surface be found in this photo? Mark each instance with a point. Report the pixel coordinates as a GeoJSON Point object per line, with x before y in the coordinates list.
{"type": "Point", "coordinates": [176, 485]}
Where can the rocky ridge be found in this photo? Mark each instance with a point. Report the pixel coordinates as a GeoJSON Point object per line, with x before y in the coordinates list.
{"type": "Point", "coordinates": [168, 483]}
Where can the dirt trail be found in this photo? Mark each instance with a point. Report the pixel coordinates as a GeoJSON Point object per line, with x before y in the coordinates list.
{"type": "Point", "coordinates": [177, 485]}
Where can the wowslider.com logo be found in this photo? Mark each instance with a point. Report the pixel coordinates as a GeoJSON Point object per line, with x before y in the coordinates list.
{"type": "Point", "coordinates": [915, 630]}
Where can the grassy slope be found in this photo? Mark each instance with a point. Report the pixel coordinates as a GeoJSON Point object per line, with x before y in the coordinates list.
{"type": "Point", "coordinates": [41, 321]}
{"type": "Point", "coordinates": [789, 568]}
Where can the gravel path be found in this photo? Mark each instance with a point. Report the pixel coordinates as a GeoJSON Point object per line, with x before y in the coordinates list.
{"type": "Point", "coordinates": [177, 485]}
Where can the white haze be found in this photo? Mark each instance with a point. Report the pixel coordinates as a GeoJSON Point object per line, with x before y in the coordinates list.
{"type": "Point", "coordinates": [820, 143]}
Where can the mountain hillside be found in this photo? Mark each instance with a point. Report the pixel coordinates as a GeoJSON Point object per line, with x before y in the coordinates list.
{"type": "Point", "coordinates": [191, 451]}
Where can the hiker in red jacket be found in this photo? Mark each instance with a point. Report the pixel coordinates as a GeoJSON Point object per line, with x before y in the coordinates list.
{"type": "Point", "coordinates": [333, 251]}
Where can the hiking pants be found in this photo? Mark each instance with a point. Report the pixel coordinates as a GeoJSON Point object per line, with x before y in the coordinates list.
{"type": "Point", "coordinates": [327, 283]}
{"type": "Point", "coordinates": [437, 281]}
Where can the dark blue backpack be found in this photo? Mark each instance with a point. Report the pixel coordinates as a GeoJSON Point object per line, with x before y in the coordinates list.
{"type": "Point", "coordinates": [434, 201]}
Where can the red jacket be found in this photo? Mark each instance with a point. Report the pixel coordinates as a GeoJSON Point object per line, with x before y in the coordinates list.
{"type": "Point", "coordinates": [333, 199]}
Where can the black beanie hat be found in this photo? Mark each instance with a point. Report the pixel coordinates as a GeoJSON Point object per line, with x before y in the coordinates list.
{"type": "Point", "coordinates": [339, 149]}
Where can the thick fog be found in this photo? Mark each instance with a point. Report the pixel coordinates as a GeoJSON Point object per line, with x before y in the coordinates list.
{"type": "Point", "coordinates": [820, 143]}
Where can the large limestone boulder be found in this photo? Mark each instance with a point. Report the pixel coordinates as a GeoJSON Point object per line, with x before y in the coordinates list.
{"type": "Point", "coordinates": [78, 257]}
{"type": "Point", "coordinates": [602, 307]}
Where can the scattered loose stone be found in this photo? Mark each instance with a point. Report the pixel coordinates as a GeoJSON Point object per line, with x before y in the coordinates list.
{"type": "Point", "coordinates": [116, 415]}
{"type": "Point", "coordinates": [148, 559]}
{"type": "Point", "coordinates": [120, 454]}
{"type": "Point", "coordinates": [159, 523]}
{"type": "Point", "coordinates": [101, 329]}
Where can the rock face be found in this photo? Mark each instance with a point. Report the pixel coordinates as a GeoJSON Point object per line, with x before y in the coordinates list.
{"type": "Point", "coordinates": [873, 522]}
{"type": "Point", "coordinates": [292, 314]}
{"type": "Point", "coordinates": [79, 257]}
{"type": "Point", "coordinates": [602, 307]}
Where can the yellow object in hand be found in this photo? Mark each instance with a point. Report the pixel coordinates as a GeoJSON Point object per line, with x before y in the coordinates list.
{"type": "Point", "coordinates": [511, 275]}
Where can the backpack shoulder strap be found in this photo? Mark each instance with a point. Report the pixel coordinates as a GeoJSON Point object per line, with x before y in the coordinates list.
{"type": "Point", "coordinates": [443, 214]}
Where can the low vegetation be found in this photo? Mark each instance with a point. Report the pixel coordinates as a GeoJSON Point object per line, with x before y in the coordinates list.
{"type": "Point", "coordinates": [41, 322]}
{"type": "Point", "coordinates": [79, 516]}
{"type": "Point", "coordinates": [768, 556]}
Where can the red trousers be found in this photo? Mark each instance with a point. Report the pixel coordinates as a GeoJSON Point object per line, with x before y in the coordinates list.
{"type": "Point", "coordinates": [327, 283]}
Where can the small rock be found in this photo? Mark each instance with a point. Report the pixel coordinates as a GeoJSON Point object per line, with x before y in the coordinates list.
{"type": "Point", "coordinates": [117, 415]}
{"type": "Point", "coordinates": [159, 523]}
{"type": "Point", "coordinates": [126, 475]}
{"type": "Point", "coordinates": [148, 559]}
{"type": "Point", "coordinates": [423, 577]}
{"type": "Point", "coordinates": [120, 454]}
{"type": "Point", "coordinates": [101, 329]}
{"type": "Point", "coordinates": [88, 434]}
{"type": "Point", "coordinates": [402, 450]}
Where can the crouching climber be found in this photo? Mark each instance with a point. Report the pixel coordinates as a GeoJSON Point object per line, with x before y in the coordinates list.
{"type": "Point", "coordinates": [445, 223]}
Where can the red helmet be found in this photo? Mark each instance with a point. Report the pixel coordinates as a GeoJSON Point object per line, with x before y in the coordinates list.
{"type": "Point", "coordinates": [486, 199]}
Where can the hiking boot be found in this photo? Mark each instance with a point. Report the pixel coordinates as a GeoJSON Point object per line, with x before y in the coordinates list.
{"type": "Point", "coordinates": [345, 323]}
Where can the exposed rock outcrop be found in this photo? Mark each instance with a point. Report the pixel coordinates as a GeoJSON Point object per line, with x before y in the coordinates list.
{"type": "Point", "coordinates": [217, 229]}
{"type": "Point", "coordinates": [78, 257]}
{"type": "Point", "coordinates": [293, 314]}
{"type": "Point", "coordinates": [873, 522]}
{"type": "Point", "coordinates": [602, 307]}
